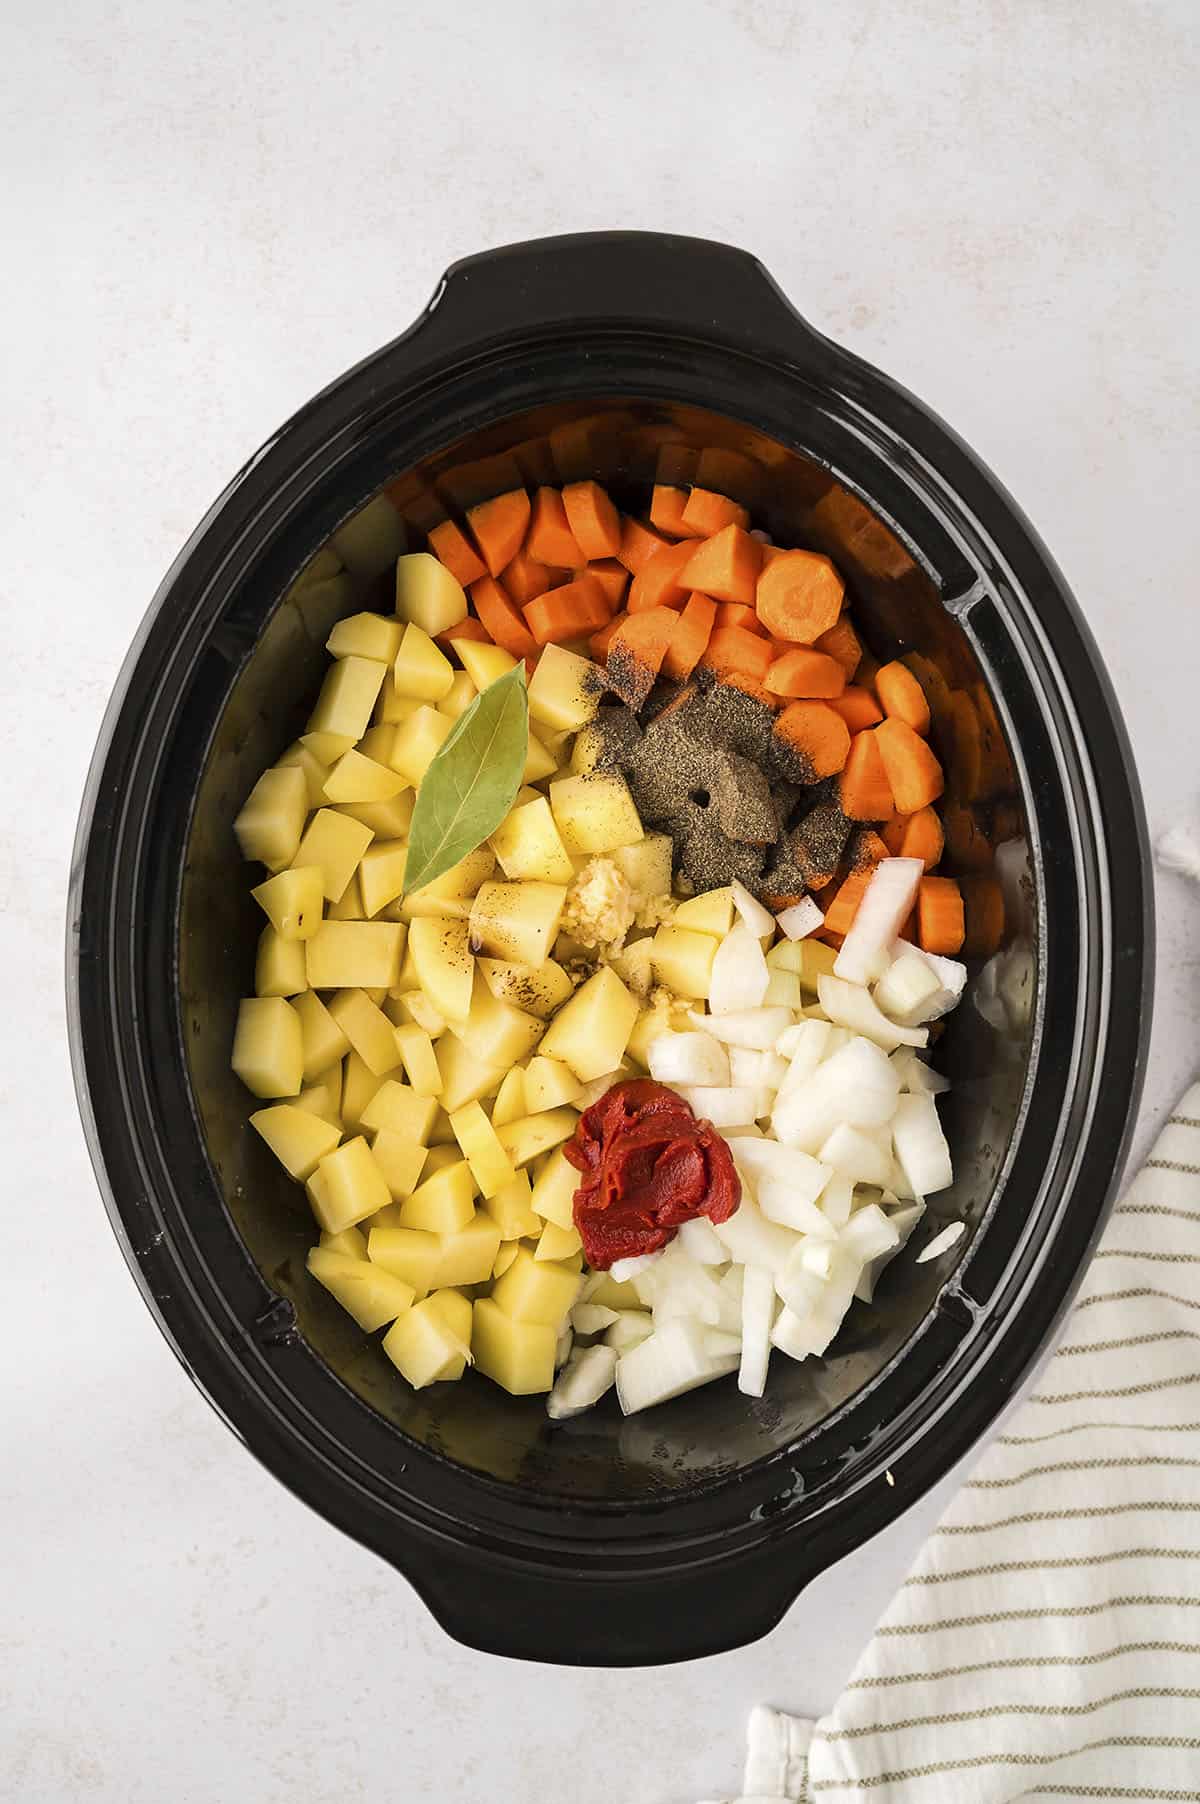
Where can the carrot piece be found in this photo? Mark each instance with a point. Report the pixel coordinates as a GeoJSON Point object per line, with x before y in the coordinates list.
{"type": "Point", "coordinates": [612, 577]}
{"type": "Point", "coordinates": [806, 673]}
{"type": "Point", "coordinates": [865, 794]}
{"type": "Point", "coordinates": [689, 641]}
{"type": "Point", "coordinates": [638, 544]}
{"type": "Point", "coordinates": [771, 552]}
{"type": "Point", "coordinates": [658, 584]}
{"type": "Point", "coordinates": [666, 510]}
{"type": "Point", "coordinates": [636, 653]}
{"type": "Point", "coordinates": [466, 629]}
{"type": "Point", "coordinates": [940, 916]}
{"type": "Point", "coordinates": [549, 539]}
{"type": "Point", "coordinates": [916, 835]}
{"type": "Point", "coordinates": [983, 916]}
{"type": "Point", "coordinates": [968, 846]}
{"type": "Point", "coordinates": [735, 652]}
{"type": "Point", "coordinates": [913, 772]}
{"type": "Point", "coordinates": [799, 596]}
{"type": "Point", "coordinates": [525, 579]}
{"type": "Point", "coordinates": [843, 643]}
{"type": "Point", "coordinates": [726, 566]}
{"type": "Point", "coordinates": [901, 696]}
{"type": "Point", "coordinates": [593, 519]}
{"type": "Point", "coordinates": [451, 546]}
{"type": "Point", "coordinates": [499, 525]}
{"type": "Point", "coordinates": [707, 512]}
{"type": "Point", "coordinates": [866, 850]}
{"type": "Point", "coordinates": [816, 737]}
{"type": "Point", "coordinates": [572, 612]}
{"type": "Point", "coordinates": [599, 642]}
{"type": "Point", "coordinates": [502, 618]}
{"type": "Point", "coordinates": [857, 708]}
{"type": "Point", "coordinates": [736, 613]}
{"type": "Point", "coordinates": [840, 913]}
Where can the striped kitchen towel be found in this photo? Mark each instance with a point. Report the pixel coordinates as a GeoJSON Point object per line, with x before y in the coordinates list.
{"type": "Point", "coordinates": [1047, 1643]}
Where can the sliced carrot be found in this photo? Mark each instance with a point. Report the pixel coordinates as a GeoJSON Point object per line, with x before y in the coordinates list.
{"type": "Point", "coordinates": [968, 846]}
{"type": "Point", "coordinates": [735, 613]}
{"type": "Point", "coordinates": [572, 612]}
{"type": "Point", "coordinates": [466, 629]}
{"type": "Point", "coordinates": [735, 652]}
{"type": "Point", "coordinates": [451, 546]}
{"type": "Point", "coordinates": [741, 679]}
{"type": "Point", "coordinates": [913, 772]}
{"type": "Point", "coordinates": [726, 566]}
{"type": "Point", "coordinates": [502, 618]}
{"type": "Point", "coordinates": [499, 526]}
{"type": "Point", "coordinates": [690, 639]}
{"type": "Point", "coordinates": [612, 577]}
{"type": "Point", "coordinates": [770, 552]}
{"type": "Point", "coordinates": [638, 544]}
{"type": "Point", "coordinates": [858, 708]}
{"type": "Point", "coordinates": [599, 642]}
{"type": "Point", "coordinates": [707, 512]}
{"type": "Point", "coordinates": [659, 584]}
{"type": "Point", "coordinates": [636, 653]}
{"type": "Point", "coordinates": [940, 917]}
{"type": "Point", "coordinates": [916, 835]}
{"type": "Point", "coordinates": [799, 596]}
{"type": "Point", "coordinates": [983, 916]}
{"type": "Point", "coordinates": [549, 539]}
{"type": "Point", "coordinates": [816, 737]}
{"type": "Point", "coordinates": [840, 913]}
{"type": "Point", "coordinates": [593, 519]}
{"type": "Point", "coordinates": [901, 696]}
{"type": "Point", "coordinates": [525, 579]}
{"type": "Point", "coordinates": [843, 643]}
{"type": "Point", "coordinates": [666, 510]}
{"type": "Point", "coordinates": [865, 794]}
{"type": "Point", "coordinates": [806, 673]}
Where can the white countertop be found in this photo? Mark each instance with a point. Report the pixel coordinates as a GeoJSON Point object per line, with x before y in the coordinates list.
{"type": "Point", "coordinates": [210, 211]}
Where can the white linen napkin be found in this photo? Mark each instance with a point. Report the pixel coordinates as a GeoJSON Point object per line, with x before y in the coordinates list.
{"type": "Point", "coordinates": [1047, 1642]}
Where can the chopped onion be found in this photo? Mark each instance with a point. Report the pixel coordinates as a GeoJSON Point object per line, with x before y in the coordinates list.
{"type": "Point", "coordinates": [788, 1334]}
{"type": "Point", "coordinates": [886, 904]}
{"type": "Point", "coordinates": [853, 1153]}
{"type": "Point", "coordinates": [730, 1107]}
{"type": "Point", "coordinates": [683, 1288]}
{"type": "Point", "coordinates": [853, 1007]}
{"type": "Point", "coordinates": [915, 1074]}
{"type": "Point", "coordinates": [857, 1085]}
{"type": "Point", "coordinates": [758, 919]}
{"type": "Point", "coordinates": [591, 1318]}
{"type": "Point", "coordinates": [588, 1373]}
{"type": "Point", "coordinates": [786, 1183]}
{"type": "Point", "coordinates": [837, 1200]}
{"type": "Point", "coordinates": [755, 1028]}
{"type": "Point", "coordinates": [868, 1233]}
{"type": "Point", "coordinates": [904, 1221]}
{"type": "Point", "coordinates": [753, 1240]}
{"type": "Point", "coordinates": [700, 1242]}
{"type": "Point", "coordinates": [562, 1347]}
{"type": "Point", "coordinates": [803, 918]}
{"type": "Point", "coordinates": [906, 987]}
{"type": "Point", "coordinates": [942, 1242]}
{"type": "Point", "coordinates": [804, 1046]}
{"type": "Point", "coordinates": [758, 1316]}
{"type": "Point", "coordinates": [694, 1058]}
{"type": "Point", "coordinates": [817, 1257]}
{"type": "Point", "coordinates": [760, 1070]}
{"type": "Point", "coordinates": [669, 1362]}
{"type": "Point", "coordinates": [720, 1345]}
{"type": "Point", "coordinates": [739, 972]}
{"type": "Point", "coordinates": [816, 1327]}
{"type": "Point", "coordinates": [921, 1149]}
{"type": "Point", "coordinates": [621, 1270]}
{"type": "Point", "coordinates": [630, 1329]}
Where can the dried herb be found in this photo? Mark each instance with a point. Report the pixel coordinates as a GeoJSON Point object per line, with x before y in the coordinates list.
{"type": "Point", "coordinates": [471, 783]}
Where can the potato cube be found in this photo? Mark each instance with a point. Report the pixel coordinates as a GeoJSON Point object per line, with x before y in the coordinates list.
{"type": "Point", "coordinates": [496, 1032]}
{"type": "Point", "coordinates": [356, 778]}
{"type": "Point", "coordinates": [646, 865]}
{"type": "Point", "coordinates": [536, 989]}
{"type": "Point", "coordinates": [293, 901]}
{"type": "Point", "coordinates": [603, 1288]}
{"type": "Point", "coordinates": [408, 1253]}
{"type": "Point", "coordinates": [400, 1160]}
{"type": "Point", "coordinates": [467, 1254]}
{"type": "Point", "coordinates": [445, 969]}
{"type": "Point", "coordinates": [516, 921]}
{"type": "Point", "coordinates": [518, 1356]}
{"type": "Point", "coordinates": [427, 594]}
{"type": "Point", "coordinates": [424, 1348]}
{"type": "Point", "coordinates": [484, 664]}
{"type": "Point", "coordinates": [355, 955]}
{"type": "Point", "coordinates": [464, 1078]}
{"type": "Point", "coordinates": [347, 697]}
{"type": "Point", "coordinates": [634, 965]}
{"type": "Point", "coordinates": [323, 1040]}
{"type": "Point", "coordinates": [441, 1153]}
{"type": "Point", "coordinates": [387, 820]}
{"type": "Point", "coordinates": [268, 1051]}
{"type": "Point", "coordinates": [532, 1135]}
{"type": "Point", "coordinates": [418, 741]}
{"type": "Point", "coordinates": [381, 874]}
{"type": "Point", "coordinates": [784, 990]}
{"type": "Point", "coordinates": [565, 689]}
{"type": "Point", "coordinates": [510, 1098]}
{"type": "Point", "coordinates": [490, 1165]}
{"type": "Point", "coordinates": [533, 1291]}
{"type": "Point", "coordinates": [368, 1030]}
{"type": "Point", "coordinates": [416, 1008]}
{"type": "Point", "coordinates": [351, 1187]}
{"type": "Point", "coordinates": [301, 757]}
{"type": "Point", "coordinates": [808, 960]}
{"type": "Point", "coordinates": [451, 893]}
{"type": "Point", "coordinates": [442, 1203]}
{"type": "Point", "coordinates": [548, 1084]}
{"type": "Point", "coordinates": [512, 1210]}
{"type": "Point", "coordinates": [365, 636]}
{"type": "Point", "coordinates": [458, 697]}
{"type": "Point", "coordinates": [590, 1033]}
{"type": "Point", "coordinates": [349, 905]}
{"type": "Point", "coordinates": [595, 813]}
{"type": "Point", "coordinates": [528, 845]}
{"type": "Point", "coordinates": [298, 1139]}
{"type": "Point", "coordinates": [372, 1296]}
{"type": "Point", "coordinates": [539, 762]}
{"type": "Point", "coordinates": [454, 1307]}
{"type": "Point", "coordinates": [391, 708]}
{"type": "Point", "coordinates": [422, 668]}
{"type": "Point", "coordinates": [504, 1258]}
{"type": "Point", "coordinates": [324, 1096]}
{"type": "Point", "coordinates": [419, 1061]}
{"type": "Point", "coordinates": [553, 1194]}
{"type": "Point", "coordinates": [271, 820]}
{"type": "Point", "coordinates": [682, 960]}
{"type": "Point", "coordinates": [351, 1242]}
{"type": "Point", "coordinates": [334, 843]}
{"type": "Point", "coordinates": [402, 1110]}
{"type": "Point", "coordinates": [327, 748]}
{"type": "Point", "coordinates": [279, 965]}
{"type": "Point", "coordinates": [557, 1243]}
{"type": "Point", "coordinates": [710, 913]}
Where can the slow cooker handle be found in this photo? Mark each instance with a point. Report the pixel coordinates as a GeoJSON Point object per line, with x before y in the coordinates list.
{"type": "Point", "coordinates": [689, 287]}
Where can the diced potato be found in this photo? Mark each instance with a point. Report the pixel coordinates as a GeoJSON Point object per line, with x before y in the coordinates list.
{"type": "Point", "coordinates": [416, 1008]}
{"type": "Point", "coordinates": [387, 820]}
{"type": "Point", "coordinates": [548, 1084]}
{"type": "Point", "coordinates": [355, 955]}
{"type": "Point", "coordinates": [587, 750]}
{"type": "Point", "coordinates": [368, 1030]}
{"type": "Point", "coordinates": [351, 1187]}
{"type": "Point", "coordinates": [442, 1203]}
{"type": "Point", "coordinates": [512, 1211]}
{"type": "Point", "coordinates": [334, 843]}
{"type": "Point", "coordinates": [464, 1077]}
{"type": "Point", "coordinates": [349, 905]}
{"type": "Point", "coordinates": [518, 1356]}
{"type": "Point", "coordinates": [409, 1253]}
{"type": "Point", "coordinates": [279, 965]}
{"type": "Point", "coordinates": [517, 921]}
{"type": "Point", "coordinates": [327, 748]}
{"type": "Point", "coordinates": [324, 1095]}
{"type": "Point", "coordinates": [682, 960]}
{"type": "Point", "coordinates": [565, 689]}
{"type": "Point", "coordinates": [323, 1040]}
{"type": "Point", "coordinates": [392, 708]}
{"type": "Point", "coordinates": [557, 1243]}
{"type": "Point", "coordinates": [381, 874]}
{"type": "Point", "coordinates": [365, 636]}
{"type": "Point", "coordinates": [504, 1258]}
{"type": "Point", "coordinates": [402, 1110]}
{"type": "Point", "coordinates": [301, 757]}
{"type": "Point", "coordinates": [376, 744]}
{"type": "Point", "coordinates": [400, 1160]}
{"type": "Point", "coordinates": [533, 1291]}
{"type": "Point", "coordinates": [347, 697]}
{"type": "Point", "coordinates": [293, 901]}
{"type": "Point", "coordinates": [808, 960]}
{"type": "Point", "coordinates": [634, 965]}
{"type": "Point", "coordinates": [372, 1296]}
{"type": "Point", "coordinates": [529, 848]}
{"type": "Point", "coordinates": [268, 1050]}
{"type": "Point", "coordinates": [272, 817]}
{"type": "Point", "coordinates": [451, 893]}
{"type": "Point", "coordinates": [445, 969]}
{"type": "Point", "coordinates": [536, 989]}
{"type": "Point", "coordinates": [372, 536]}
{"type": "Point", "coordinates": [590, 1033]}
{"type": "Point", "coordinates": [539, 762]}
{"type": "Point", "coordinates": [422, 668]}
{"type": "Point", "coordinates": [298, 1139]}
{"type": "Point", "coordinates": [356, 778]}
{"type": "Point", "coordinates": [532, 1135]}
{"type": "Point", "coordinates": [441, 1153]}
{"type": "Point", "coordinates": [553, 1195]}
{"type": "Point", "coordinates": [467, 1255]}
{"type": "Point", "coordinates": [454, 1307]}
{"type": "Point", "coordinates": [359, 1085]}
{"type": "Point", "coordinates": [418, 741]}
{"type": "Point", "coordinates": [484, 664]}
{"type": "Point", "coordinates": [510, 1098]}
{"type": "Point", "coordinates": [419, 1060]}
{"type": "Point", "coordinates": [604, 1289]}
{"type": "Point", "coordinates": [424, 1348]}
{"type": "Point", "coordinates": [490, 1165]}
{"type": "Point", "coordinates": [458, 697]}
{"type": "Point", "coordinates": [646, 865]}
{"type": "Point", "coordinates": [710, 913]}
{"type": "Point", "coordinates": [595, 813]}
{"type": "Point", "coordinates": [496, 1032]}
{"type": "Point", "coordinates": [427, 594]}
{"type": "Point", "coordinates": [784, 990]}
{"type": "Point", "coordinates": [350, 1241]}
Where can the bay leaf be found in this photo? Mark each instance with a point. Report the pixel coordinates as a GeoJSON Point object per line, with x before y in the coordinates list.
{"type": "Point", "coordinates": [472, 782]}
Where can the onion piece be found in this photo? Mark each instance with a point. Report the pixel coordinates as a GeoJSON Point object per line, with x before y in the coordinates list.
{"type": "Point", "coordinates": [694, 1058]}
{"type": "Point", "coordinates": [739, 976]}
{"type": "Point", "coordinates": [942, 1242]}
{"type": "Point", "coordinates": [868, 1233]}
{"type": "Point", "coordinates": [786, 1184]}
{"type": "Point", "coordinates": [758, 1317]}
{"type": "Point", "coordinates": [755, 1028]}
{"type": "Point", "coordinates": [588, 1373]}
{"type": "Point", "coordinates": [591, 1318]}
{"type": "Point", "coordinates": [915, 1074]}
{"type": "Point", "coordinates": [700, 1241]}
{"type": "Point", "coordinates": [921, 1149]}
{"type": "Point", "coordinates": [803, 918]}
{"type": "Point", "coordinates": [850, 1006]}
{"type": "Point", "coordinates": [886, 904]}
{"type": "Point", "coordinates": [669, 1362]}
{"type": "Point", "coordinates": [729, 1107]}
{"type": "Point", "coordinates": [837, 1200]}
{"type": "Point", "coordinates": [906, 988]}
{"type": "Point", "coordinates": [904, 1221]}
{"type": "Point", "coordinates": [753, 1240]}
{"type": "Point", "coordinates": [817, 1256]}
{"type": "Point", "coordinates": [630, 1329]}
{"type": "Point", "coordinates": [719, 1344]}
{"type": "Point", "coordinates": [621, 1270]}
{"type": "Point", "coordinates": [853, 1153]}
{"type": "Point", "coordinates": [758, 919]}
{"type": "Point", "coordinates": [760, 1070]}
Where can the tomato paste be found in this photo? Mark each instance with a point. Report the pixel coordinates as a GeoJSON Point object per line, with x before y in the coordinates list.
{"type": "Point", "coordinates": [649, 1164]}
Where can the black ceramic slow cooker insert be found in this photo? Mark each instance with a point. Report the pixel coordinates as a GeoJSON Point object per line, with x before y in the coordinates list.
{"type": "Point", "coordinates": [689, 1529]}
